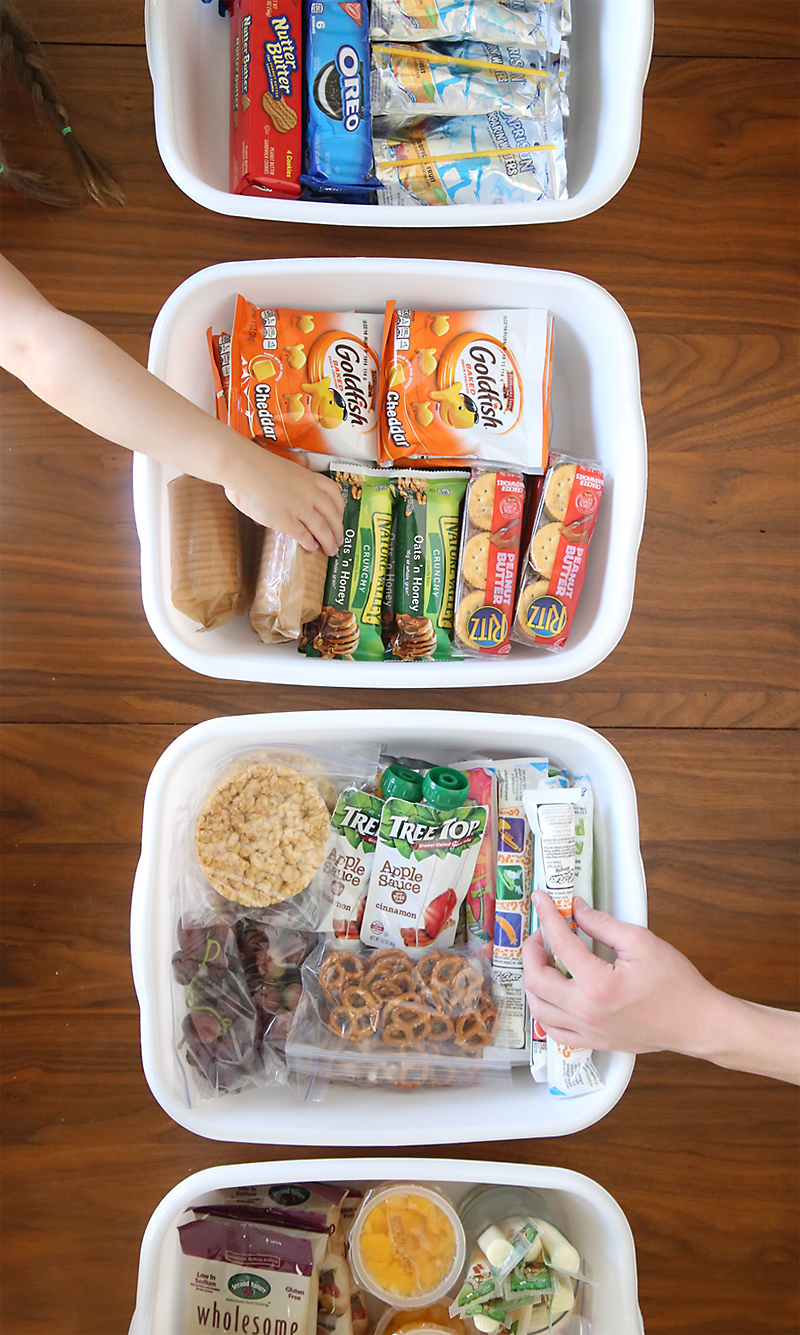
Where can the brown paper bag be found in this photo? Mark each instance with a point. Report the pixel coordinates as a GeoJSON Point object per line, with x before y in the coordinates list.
{"type": "Point", "coordinates": [208, 580]}
{"type": "Point", "coordinates": [289, 588]}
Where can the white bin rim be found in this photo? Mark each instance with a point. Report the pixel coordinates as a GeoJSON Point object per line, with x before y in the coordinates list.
{"type": "Point", "coordinates": [274, 1116]}
{"type": "Point", "coordinates": [155, 1270]}
{"type": "Point", "coordinates": [597, 413]}
{"type": "Point", "coordinates": [622, 38]}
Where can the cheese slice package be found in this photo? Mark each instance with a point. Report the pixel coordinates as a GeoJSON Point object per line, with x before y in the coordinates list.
{"type": "Point", "coordinates": [305, 380]}
{"type": "Point", "coordinates": [458, 386]}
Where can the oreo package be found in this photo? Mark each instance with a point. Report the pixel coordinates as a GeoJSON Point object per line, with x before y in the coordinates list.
{"type": "Point", "coordinates": [338, 124]}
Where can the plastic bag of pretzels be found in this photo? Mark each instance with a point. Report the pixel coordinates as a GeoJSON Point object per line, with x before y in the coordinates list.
{"type": "Point", "coordinates": [377, 1018]}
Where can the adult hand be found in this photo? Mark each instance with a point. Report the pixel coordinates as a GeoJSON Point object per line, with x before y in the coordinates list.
{"type": "Point", "coordinates": [650, 998]}
{"type": "Point", "coordinates": [284, 496]}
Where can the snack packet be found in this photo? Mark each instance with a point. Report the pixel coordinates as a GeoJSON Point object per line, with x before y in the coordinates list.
{"type": "Point", "coordinates": [459, 79]}
{"type": "Point", "coordinates": [556, 562]}
{"type": "Point", "coordinates": [528, 23]}
{"type": "Point", "coordinates": [423, 866]}
{"type": "Point", "coordinates": [425, 560]}
{"type": "Point", "coordinates": [480, 899]}
{"type": "Point", "coordinates": [488, 561]}
{"type": "Point", "coordinates": [312, 1206]}
{"type": "Point", "coordinates": [338, 127]}
{"type": "Point", "coordinates": [498, 158]}
{"type": "Point", "coordinates": [305, 380]}
{"type": "Point", "coordinates": [288, 589]}
{"type": "Point", "coordinates": [219, 347]}
{"type": "Point", "coordinates": [207, 572]}
{"type": "Point", "coordinates": [266, 97]}
{"type": "Point", "coordinates": [462, 385]}
{"type": "Point", "coordinates": [349, 624]}
{"type": "Point", "coordinates": [513, 894]}
{"type": "Point", "coordinates": [552, 814]}
{"type": "Point", "coordinates": [378, 1018]}
{"type": "Point", "coordinates": [242, 1275]}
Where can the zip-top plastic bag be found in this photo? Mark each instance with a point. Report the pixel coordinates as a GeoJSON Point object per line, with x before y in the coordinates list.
{"type": "Point", "coordinates": [381, 1018]}
{"type": "Point", "coordinates": [541, 24]}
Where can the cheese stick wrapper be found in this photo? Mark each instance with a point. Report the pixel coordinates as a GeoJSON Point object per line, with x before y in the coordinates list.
{"type": "Point", "coordinates": [552, 814]}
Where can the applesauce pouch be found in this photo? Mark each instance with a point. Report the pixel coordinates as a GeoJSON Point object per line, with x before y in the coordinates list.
{"type": "Point", "coordinates": [425, 562]}
{"type": "Point", "coordinates": [349, 624]}
{"type": "Point", "coordinates": [423, 866]}
{"type": "Point", "coordinates": [347, 866]}
{"type": "Point", "coordinates": [462, 385]}
{"type": "Point", "coordinates": [306, 380]}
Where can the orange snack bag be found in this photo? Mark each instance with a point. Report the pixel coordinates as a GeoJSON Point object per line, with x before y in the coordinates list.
{"type": "Point", "coordinates": [219, 347]}
{"type": "Point", "coordinates": [461, 385]}
{"type": "Point", "coordinates": [305, 380]}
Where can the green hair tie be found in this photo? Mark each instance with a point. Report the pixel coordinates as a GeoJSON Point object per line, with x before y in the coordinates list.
{"type": "Point", "coordinates": [67, 129]}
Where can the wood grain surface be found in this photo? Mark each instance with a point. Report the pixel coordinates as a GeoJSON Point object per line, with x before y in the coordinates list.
{"type": "Point", "coordinates": [700, 697]}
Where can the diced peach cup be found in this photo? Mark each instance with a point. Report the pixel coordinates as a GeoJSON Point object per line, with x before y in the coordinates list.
{"type": "Point", "coordinates": [407, 1245]}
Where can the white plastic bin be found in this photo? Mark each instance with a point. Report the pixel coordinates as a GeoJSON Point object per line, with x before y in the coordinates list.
{"type": "Point", "coordinates": [596, 413]}
{"type": "Point", "coordinates": [188, 52]}
{"type": "Point", "coordinates": [588, 1215]}
{"type": "Point", "coordinates": [349, 1115]}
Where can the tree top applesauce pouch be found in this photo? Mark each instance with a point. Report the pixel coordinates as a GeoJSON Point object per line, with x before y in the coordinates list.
{"type": "Point", "coordinates": [421, 872]}
{"type": "Point", "coordinates": [425, 564]}
{"type": "Point", "coordinates": [306, 380]}
{"type": "Point", "coordinates": [461, 385]}
{"type": "Point", "coordinates": [349, 625]}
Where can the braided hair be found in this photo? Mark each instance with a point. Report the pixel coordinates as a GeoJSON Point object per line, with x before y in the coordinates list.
{"type": "Point", "coordinates": [20, 51]}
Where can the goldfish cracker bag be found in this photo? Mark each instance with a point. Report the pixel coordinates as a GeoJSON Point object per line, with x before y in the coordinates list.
{"type": "Point", "coordinates": [464, 385]}
{"type": "Point", "coordinates": [305, 380]}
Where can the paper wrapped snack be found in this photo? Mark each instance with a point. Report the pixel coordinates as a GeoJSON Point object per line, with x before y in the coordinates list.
{"type": "Point", "coordinates": [289, 588]}
{"type": "Point", "coordinates": [206, 565]}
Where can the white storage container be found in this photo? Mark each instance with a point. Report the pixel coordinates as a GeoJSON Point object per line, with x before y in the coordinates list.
{"type": "Point", "coordinates": [349, 1115]}
{"type": "Point", "coordinates": [590, 1218]}
{"type": "Point", "coordinates": [610, 47]}
{"type": "Point", "coordinates": [596, 414]}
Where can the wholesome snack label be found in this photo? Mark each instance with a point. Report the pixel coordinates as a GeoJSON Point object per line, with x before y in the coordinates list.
{"type": "Point", "coordinates": [460, 385]}
{"type": "Point", "coordinates": [305, 380]}
{"type": "Point", "coordinates": [266, 97]}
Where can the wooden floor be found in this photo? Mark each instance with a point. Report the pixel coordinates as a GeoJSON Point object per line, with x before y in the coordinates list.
{"type": "Point", "coordinates": [700, 697]}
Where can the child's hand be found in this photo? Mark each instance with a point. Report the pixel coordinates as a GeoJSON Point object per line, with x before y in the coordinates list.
{"type": "Point", "coordinates": [284, 496]}
{"type": "Point", "coordinates": [649, 999]}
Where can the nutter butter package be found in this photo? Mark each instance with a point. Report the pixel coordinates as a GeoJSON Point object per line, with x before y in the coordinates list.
{"type": "Point", "coordinates": [425, 562]}
{"type": "Point", "coordinates": [349, 624]}
{"type": "Point", "coordinates": [464, 385]}
{"type": "Point", "coordinates": [306, 380]}
{"type": "Point", "coordinates": [266, 97]}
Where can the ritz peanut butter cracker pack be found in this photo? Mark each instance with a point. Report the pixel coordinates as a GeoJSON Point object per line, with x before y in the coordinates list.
{"type": "Point", "coordinates": [305, 380]}
{"type": "Point", "coordinates": [458, 385]}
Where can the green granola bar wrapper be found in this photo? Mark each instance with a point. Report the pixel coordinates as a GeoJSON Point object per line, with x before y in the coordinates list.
{"type": "Point", "coordinates": [426, 561]}
{"type": "Point", "coordinates": [349, 625]}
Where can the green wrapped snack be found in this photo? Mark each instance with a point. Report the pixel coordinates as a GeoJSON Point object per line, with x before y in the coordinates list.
{"type": "Point", "coordinates": [426, 560]}
{"type": "Point", "coordinates": [349, 625]}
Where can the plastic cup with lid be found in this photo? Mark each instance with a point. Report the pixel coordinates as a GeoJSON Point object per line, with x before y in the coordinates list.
{"type": "Point", "coordinates": [390, 1260]}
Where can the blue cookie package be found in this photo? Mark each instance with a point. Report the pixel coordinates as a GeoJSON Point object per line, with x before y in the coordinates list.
{"type": "Point", "coordinates": [338, 125]}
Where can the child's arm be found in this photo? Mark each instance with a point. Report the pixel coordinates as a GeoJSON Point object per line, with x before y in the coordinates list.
{"type": "Point", "coordinates": [88, 378]}
{"type": "Point", "coordinates": [650, 999]}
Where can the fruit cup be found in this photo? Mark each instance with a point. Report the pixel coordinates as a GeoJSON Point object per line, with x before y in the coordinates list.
{"type": "Point", "coordinates": [407, 1246]}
